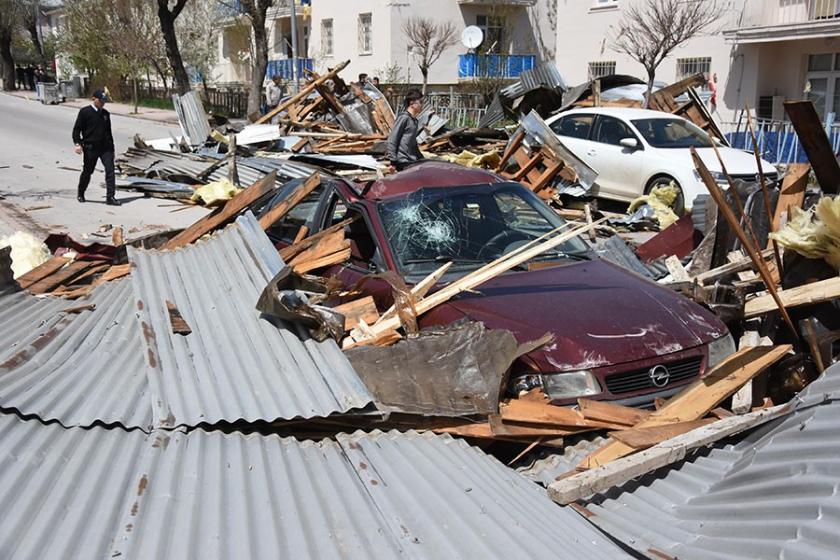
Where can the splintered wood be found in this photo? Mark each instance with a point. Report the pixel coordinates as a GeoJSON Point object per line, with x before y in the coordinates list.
{"type": "Point", "coordinates": [534, 168]}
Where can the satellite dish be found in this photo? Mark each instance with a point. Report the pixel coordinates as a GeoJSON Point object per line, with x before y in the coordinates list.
{"type": "Point", "coordinates": [472, 36]}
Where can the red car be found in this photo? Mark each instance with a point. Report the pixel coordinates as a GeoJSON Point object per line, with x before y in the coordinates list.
{"type": "Point", "coordinates": [617, 336]}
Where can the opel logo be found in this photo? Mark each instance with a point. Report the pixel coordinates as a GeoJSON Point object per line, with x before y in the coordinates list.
{"type": "Point", "coordinates": [659, 375]}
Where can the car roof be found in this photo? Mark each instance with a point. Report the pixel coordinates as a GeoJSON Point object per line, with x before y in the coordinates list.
{"type": "Point", "coordinates": [428, 174]}
{"type": "Point", "coordinates": [627, 113]}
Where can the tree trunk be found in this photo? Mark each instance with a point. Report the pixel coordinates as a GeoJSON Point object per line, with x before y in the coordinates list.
{"type": "Point", "coordinates": [173, 53]}
{"type": "Point", "coordinates": [8, 61]}
{"type": "Point", "coordinates": [425, 72]}
{"type": "Point", "coordinates": [651, 74]}
{"type": "Point", "coordinates": [136, 97]}
{"type": "Point", "coordinates": [260, 64]}
{"type": "Point", "coordinates": [36, 41]}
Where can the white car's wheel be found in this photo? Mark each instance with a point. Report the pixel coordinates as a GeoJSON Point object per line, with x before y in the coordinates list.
{"type": "Point", "coordinates": [665, 181]}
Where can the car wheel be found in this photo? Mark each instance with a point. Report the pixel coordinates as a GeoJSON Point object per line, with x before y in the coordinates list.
{"type": "Point", "coordinates": [664, 181]}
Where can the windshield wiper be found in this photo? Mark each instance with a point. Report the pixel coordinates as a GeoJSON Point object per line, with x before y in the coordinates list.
{"type": "Point", "coordinates": [562, 255]}
{"type": "Point", "coordinates": [443, 259]}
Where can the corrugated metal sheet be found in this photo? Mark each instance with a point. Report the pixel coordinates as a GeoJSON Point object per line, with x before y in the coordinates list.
{"type": "Point", "coordinates": [546, 469]}
{"type": "Point", "coordinates": [77, 368]}
{"type": "Point", "coordinates": [101, 494]}
{"type": "Point", "coordinates": [774, 494]}
{"type": "Point", "coordinates": [234, 364]}
{"type": "Point", "coordinates": [191, 116]}
{"type": "Point", "coordinates": [7, 277]}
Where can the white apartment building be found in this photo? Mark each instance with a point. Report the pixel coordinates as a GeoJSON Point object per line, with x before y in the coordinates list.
{"type": "Point", "coordinates": [763, 52]}
{"type": "Point", "coordinates": [518, 34]}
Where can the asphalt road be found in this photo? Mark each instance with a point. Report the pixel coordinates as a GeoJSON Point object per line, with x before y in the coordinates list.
{"type": "Point", "coordinates": [39, 172]}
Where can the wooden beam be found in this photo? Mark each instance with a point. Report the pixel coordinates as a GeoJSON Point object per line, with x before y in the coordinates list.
{"type": "Point", "coordinates": [303, 93]}
{"type": "Point", "coordinates": [670, 451]}
{"type": "Point", "coordinates": [288, 253]}
{"type": "Point", "coordinates": [695, 401]}
{"type": "Point", "coordinates": [730, 268]}
{"type": "Point", "coordinates": [533, 412]}
{"type": "Point", "coordinates": [807, 294]}
{"type": "Point", "coordinates": [515, 142]}
{"type": "Point", "coordinates": [363, 309]}
{"type": "Point", "coordinates": [806, 122]}
{"type": "Point", "coordinates": [224, 214]}
{"type": "Point", "coordinates": [295, 197]}
{"type": "Point", "coordinates": [729, 216]}
{"type": "Point", "coordinates": [47, 268]}
{"type": "Point", "coordinates": [611, 412]}
{"type": "Point", "coordinates": [641, 438]}
{"type": "Point", "coordinates": [792, 193]}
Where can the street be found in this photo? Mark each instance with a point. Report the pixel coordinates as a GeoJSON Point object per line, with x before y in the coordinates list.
{"type": "Point", "coordinates": [39, 172]}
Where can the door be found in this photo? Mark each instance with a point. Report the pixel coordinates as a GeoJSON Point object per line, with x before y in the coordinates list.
{"type": "Point", "coordinates": [619, 168]}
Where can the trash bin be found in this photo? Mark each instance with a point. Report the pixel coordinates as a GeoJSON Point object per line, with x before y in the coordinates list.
{"type": "Point", "coordinates": [47, 93]}
{"type": "Point", "coordinates": [68, 90]}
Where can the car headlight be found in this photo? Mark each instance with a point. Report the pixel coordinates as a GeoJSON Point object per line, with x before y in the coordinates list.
{"type": "Point", "coordinates": [718, 176]}
{"type": "Point", "coordinates": [570, 385]}
{"type": "Point", "coordinates": [720, 349]}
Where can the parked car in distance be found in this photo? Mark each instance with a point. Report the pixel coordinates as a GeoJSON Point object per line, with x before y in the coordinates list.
{"type": "Point", "coordinates": [634, 150]}
{"type": "Point", "coordinates": [617, 336]}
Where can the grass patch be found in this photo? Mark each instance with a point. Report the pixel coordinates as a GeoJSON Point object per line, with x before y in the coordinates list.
{"type": "Point", "coordinates": [151, 103]}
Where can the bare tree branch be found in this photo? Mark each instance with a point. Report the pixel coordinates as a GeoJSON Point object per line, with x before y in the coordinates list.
{"type": "Point", "coordinates": [649, 31]}
{"type": "Point", "coordinates": [428, 40]}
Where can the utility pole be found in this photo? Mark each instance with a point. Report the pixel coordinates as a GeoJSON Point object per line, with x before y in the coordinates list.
{"type": "Point", "coordinates": [295, 76]}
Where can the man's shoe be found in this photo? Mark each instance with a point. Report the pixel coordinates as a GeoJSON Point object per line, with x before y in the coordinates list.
{"type": "Point", "coordinates": [80, 197]}
{"type": "Point", "coordinates": [111, 201]}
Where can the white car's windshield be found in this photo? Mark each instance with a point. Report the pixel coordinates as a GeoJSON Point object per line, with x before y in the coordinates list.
{"type": "Point", "coordinates": [672, 133]}
{"type": "Point", "coordinates": [469, 226]}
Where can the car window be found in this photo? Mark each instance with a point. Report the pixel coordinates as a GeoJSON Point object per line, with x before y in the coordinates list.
{"type": "Point", "coordinates": [469, 226]}
{"type": "Point", "coordinates": [576, 126]}
{"type": "Point", "coordinates": [672, 133]}
{"type": "Point", "coordinates": [610, 130]}
{"type": "Point", "coordinates": [363, 250]}
{"type": "Point", "coordinates": [301, 214]}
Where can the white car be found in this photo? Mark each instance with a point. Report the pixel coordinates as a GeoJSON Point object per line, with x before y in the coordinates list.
{"type": "Point", "coordinates": [634, 150]}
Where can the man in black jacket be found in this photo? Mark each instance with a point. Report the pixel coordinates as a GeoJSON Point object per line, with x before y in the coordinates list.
{"type": "Point", "coordinates": [93, 139]}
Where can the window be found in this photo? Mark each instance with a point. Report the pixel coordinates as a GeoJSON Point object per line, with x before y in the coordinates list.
{"type": "Point", "coordinates": [822, 83]}
{"type": "Point", "coordinates": [672, 133]}
{"type": "Point", "coordinates": [327, 37]}
{"type": "Point", "coordinates": [301, 214]}
{"type": "Point", "coordinates": [575, 126]}
{"type": "Point", "coordinates": [601, 68]}
{"type": "Point", "coordinates": [687, 67]}
{"type": "Point", "coordinates": [609, 130]}
{"type": "Point", "coordinates": [494, 33]}
{"type": "Point", "coordinates": [365, 34]}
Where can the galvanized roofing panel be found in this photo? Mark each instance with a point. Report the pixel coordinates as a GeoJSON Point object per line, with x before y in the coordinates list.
{"type": "Point", "coordinates": [774, 494]}
{"type": "Point", "coordinates": [77, 368]}
{"type": "Point", "coordinates": [191, 116]}
{"type": "Point", "coordinates": [234, 364]}
{"type": "Point", "coordinates": [106, 493]}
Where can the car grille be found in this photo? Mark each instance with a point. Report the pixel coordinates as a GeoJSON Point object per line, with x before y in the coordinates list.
{"type": "Point", "coordinates": [754, 178]}
{"type": "Point", "coordinates": [639, 380]}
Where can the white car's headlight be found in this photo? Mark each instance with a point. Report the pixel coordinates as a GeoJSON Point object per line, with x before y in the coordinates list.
{"type": "Point", "coordinates": [718, 176]}
{"type": "Point", "coordinates": [720, 349]}
{"type": "Point", "coordinates": [570, 385]}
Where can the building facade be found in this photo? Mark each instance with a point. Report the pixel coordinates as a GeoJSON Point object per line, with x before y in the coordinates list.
{"type": "Point", "coordinates": [762, 51]}
{"type": "Point", "coordinates": [517, 34]}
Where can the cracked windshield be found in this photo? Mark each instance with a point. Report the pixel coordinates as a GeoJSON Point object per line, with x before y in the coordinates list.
{"type": "Point", "coordinates": [470, 226]}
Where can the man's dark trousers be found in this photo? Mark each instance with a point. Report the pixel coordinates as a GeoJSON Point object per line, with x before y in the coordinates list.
{"type": "Point", "coordinates": [91, 155]}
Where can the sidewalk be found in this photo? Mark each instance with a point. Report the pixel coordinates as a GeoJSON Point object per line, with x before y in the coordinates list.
{"type": "Point", "coordinates": [165, 116]}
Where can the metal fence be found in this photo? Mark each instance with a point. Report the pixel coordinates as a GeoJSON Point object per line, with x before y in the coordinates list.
{"type": "Point", "coordinates": [460, 109]}
{"type": "Point", "coordinates": [231, 103]}
{"type": "Point", "coordinates": [777, 141]}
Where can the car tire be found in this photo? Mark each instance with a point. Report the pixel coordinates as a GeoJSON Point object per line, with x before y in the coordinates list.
{"type": "Point", "coordinates": [663, 181]}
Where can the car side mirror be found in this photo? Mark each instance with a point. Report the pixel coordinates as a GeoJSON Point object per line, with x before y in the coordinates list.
{"type": "Point", "coordinates": [631, 143]}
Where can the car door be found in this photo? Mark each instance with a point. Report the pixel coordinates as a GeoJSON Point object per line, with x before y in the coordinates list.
{"type": "Point", "coordinates": [574, 130]}
{"type": "Point", "coordinates": [619, 167]}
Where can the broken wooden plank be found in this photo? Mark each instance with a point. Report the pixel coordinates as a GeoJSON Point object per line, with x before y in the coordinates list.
{"type": "Point", "coordinates": [532, 412]}
{"type": "Point", "coordinates": [62, 276]}
{"type": "Point", "coordinates": [79, 308]}
{"type": "Point", "coordinates": [114, 272]}
{"type": "Point", "coordinates": [791, 193]}
{"type": "Point", "coordinates": [224, 214]}
{"type": "Point", "coordinates": [730, 268]}
{"type": "Point", "coordinates": [611, 412]}
{"type": "Point", "coordinates": [501, 427]}
{"type": "Point", "coordinates": [51, 266]}
{"type": "Point", "coordinates": [641, 438]}
{"type": "Point", "coordinates": [696, 400]}
{"type": "Point", "coordinates": [324, 261]}
{"type": "Point", "coordinates": [670, 451]}
{"type": "Point", "coordinates": [806, 122]}
{"type": "Point", "coordinates": [303, 93]}
{"type": "Point", "coordinates": [807, 294]}
{"type": "Point", "coordinates": [677, 270]}
{"type": "Point", "coordinates": [734, 223]}
{"type": "Point", "coordinates": [295, 197]}
{"type": "Point", "coordinates": [363, 309]}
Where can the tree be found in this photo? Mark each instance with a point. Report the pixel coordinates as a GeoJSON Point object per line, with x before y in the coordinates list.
{"type": "Point", "coordinates": [428, 40]}
{"type": "Point", "coordinates": [167, 19]}
{"type": "Point", "coordinates": [10, 21]}
{"type": "Point", "coordinates": [198, 37]}
{"type": "Point", "coordinates": [255, 11]}
{"type": "Point", "coordinates": [29, 12]}
{"type": "Point", "coordinates": [650, 30]}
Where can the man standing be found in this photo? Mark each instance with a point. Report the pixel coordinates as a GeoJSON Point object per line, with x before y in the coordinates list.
{"type": "Point", "coordinates": [402, 142]}
{"type": "Point", "coordinates": [273, 95]}
{"type": "Point", "coordinates": [93, 139]}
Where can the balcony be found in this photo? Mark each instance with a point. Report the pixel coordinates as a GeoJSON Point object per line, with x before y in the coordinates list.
{"type": "Point", "coordinates": [494, 65]}
{"type": "Point", "coordinates": [785, 20]}
{"type": "Point", "coordinates": [284, 9]}
{"type": "Point", "coordinates": [283, 68]}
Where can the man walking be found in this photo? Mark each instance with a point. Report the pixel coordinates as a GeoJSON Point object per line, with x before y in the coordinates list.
{"type": "Point", "coordinates": [402, 145]}
{"type": "Point", "coordinates": [93, 139]}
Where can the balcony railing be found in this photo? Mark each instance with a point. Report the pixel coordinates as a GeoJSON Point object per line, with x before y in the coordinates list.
{"type": "Point", "coordinates": [494, 65]}
{"type": "Point", "coordinates": [283, 68]}
{"type": "Point", "coordinates": [771, 13]}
